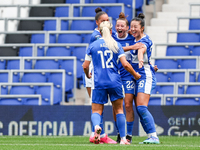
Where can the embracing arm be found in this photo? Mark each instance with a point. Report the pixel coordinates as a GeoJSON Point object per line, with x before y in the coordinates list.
{"type": "Point", "coordinates": [136, 46]}
{"type": "Point", "coordinates": [140, 56]}
{"type": "Point", "coordinates": [129, 68]}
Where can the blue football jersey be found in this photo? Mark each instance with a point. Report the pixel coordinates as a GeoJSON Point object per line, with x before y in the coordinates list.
{"type": "Point", "coordinates": [127, 41]}
{"type": "Point", "coordinates": [105, 71]}
{"type": "Point", "coordinates": [146, 58]}
{"type": "Point", "coordinates": [95, 35]}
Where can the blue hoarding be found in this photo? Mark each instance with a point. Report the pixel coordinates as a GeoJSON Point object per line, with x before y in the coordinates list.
{"type": "Point", "coordinates": [75, 120]}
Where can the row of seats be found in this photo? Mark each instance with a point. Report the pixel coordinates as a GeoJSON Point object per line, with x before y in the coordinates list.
{"type": "Point", "coordinates": [44, 91]}
{"type": "Point", "coordinates": [40, 38]}
{"type": "Point", "coordinates": [183, 51]}
{"type": "Point", "coordinates": [166, 99]}
{"type": "Point", "coordinates": [172, 62]}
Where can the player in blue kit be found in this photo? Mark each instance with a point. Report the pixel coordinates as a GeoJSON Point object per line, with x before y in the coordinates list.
{"type": "Point", "coordinates": [125, 39]}
{"type": "Point", "coordinates": [100, 17]}
{"type": "Point", "coordinates": [141, 63]}
{"type": "Point", "coordinates": [106, 80]}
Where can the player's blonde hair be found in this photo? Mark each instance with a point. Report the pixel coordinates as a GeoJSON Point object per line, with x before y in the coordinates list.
{"type": "Point", "coordinates": [105, 28]}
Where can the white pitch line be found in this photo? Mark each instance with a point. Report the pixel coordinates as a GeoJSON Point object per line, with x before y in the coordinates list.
{"type": "Point", "coordinates": [106, 145]}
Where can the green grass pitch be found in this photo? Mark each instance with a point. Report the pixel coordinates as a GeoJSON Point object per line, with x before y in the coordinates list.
{"type": "Point", "coordinates": [82, 143]}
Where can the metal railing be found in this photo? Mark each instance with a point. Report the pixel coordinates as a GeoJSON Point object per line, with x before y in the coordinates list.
{"type": "Point", "coordinates": [191, 5]}
{"type": "Point", "coordinates": [42, 71]}
{"type": "Point", "coordinates": [32, 84]}
{"type": "Point", "coordinates": [187, 31]}
{"type": "Point", "coordinates": [174, 44]}
{"type": "Point", "coordinates": [179, 18]}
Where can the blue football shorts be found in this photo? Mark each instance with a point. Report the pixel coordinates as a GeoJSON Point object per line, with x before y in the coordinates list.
{"type": "Point", "coordinates": [145, 85]}
{"type": "Point", "coordinates": [129, 84]}
{"type": "Point", "coordinates": [100, 96]}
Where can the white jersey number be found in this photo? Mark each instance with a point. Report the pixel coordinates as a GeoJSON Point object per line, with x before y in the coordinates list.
{"type": "Point", "coordinates": [109, 64]}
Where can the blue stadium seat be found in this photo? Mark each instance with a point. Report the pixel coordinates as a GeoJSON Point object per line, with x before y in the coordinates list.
{"type": "Point", "coordinates": [64, 25]}
{"type": "Point", "coordinates": [16, 77]}
{"type": "Point", "coordinates": [69, 38]}
{"type": "Point", "coordinates": [51, 25]}
{"type": "Point", "coordinates": [187, 37]}
{"type": "Point", "coordinates": [4, 90]}
{"type": "Point", "coordinates": [87, 1]}
{"type": "Point", "coordinates": [177, 51]}
{"type": "Point", "coordinates": [111, 11]}
{"type": "Point", "coordinates": [2, 64]}
{"type": "Point", "coordinates": [164, 89]}
{"type": "Point", "coordinates": [25, 51]}
{"type": "Point", "coordinates": [166, 63]}
{"type": "Point", "coordinates": [126, 2]}
{"type": "Point", "coordinates": [138, 4]}
{"type": "Point", "coordinates": [22, 90]}
{"type": "Point", "coordinates": [128, 13]}
{"type": "Point", "coordinates": [28, 64]}
{"type": "Point", "coordinates": [73, 1]}
{"type": "Point", "coordinates": [68, 66]}
{"type": "Point", "coordinates": [192, 77]}
{"type": "Point", "coordinates": [56, 78]}
{"type": "Point", "coordinates": [58, 51]}
{"type": "Point", "coordinates": [104, 1]}
{"type": "Point", "coordinates": [169, 101]}
{"type": "Point", "coordinates": [176, 76]}
{"type": "Point", "coordinates": [79, 52]}
{"type": "Point", "coordinates": [13, 64]}
{"type": "Point", "coordinates": [86, 38]}
{"type": "Point", "coordinates": [161, 77]}
{"type": "Point", "coordinates": [193, 89]}
{"type": "Point", "coordinates": [45, 91]}
{"type": "Point", "coordinates": [181, 89]}
{"type": "Point", "coordinates": [194, 24]}
{"type": "Point", "coordinates": [89, 11]}
{"type": "Point", "coordinates": [40, 38]}
{"type": "Point", "coordinates": [3, 77]}
{"type": "Point", "coordinates": [34, 77]}
{"type": "Point", "coordinates": [40, 51]}
{"type": "Point", "coordinates": [154, 101]}
{"type": "Point", "coordinates": [47, 64]}
{"type": "Point", "coordinates": [11, 101]}
{"type": "Point", "coordinates": [187, 101]}
{"type": "Point", "coordinates": [62, 12]}
{"type": "Point", "coordinates": [196, 51]}
{"type": "Point", "coordinates": [87, 25]}
{"type": "Point", "coordinates": [187, 64]}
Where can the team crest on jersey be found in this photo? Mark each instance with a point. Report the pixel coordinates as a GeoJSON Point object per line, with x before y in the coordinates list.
{"type": "Point", "coordinates": [97, 37]}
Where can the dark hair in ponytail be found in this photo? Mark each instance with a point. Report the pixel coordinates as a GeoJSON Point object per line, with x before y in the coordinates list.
{"type": "Point", "coordinates": [99, 12]}
{"type": "Point", "coordinates": [140, 18]}
{"type": "Point", "coordinates": [123, 17]}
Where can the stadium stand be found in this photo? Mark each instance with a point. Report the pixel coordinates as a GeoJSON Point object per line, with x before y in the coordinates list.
{"type": "Point", "coordinates": [179, 61]}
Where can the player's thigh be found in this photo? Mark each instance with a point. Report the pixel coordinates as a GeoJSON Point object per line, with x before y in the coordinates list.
{"type": "Point", "coordinates": [118, 106]}
{"type": "Point", "coordinates": [128, 100]}
{"type": "Point", "coordinates": [97, 108]}
{"type": "Point", "coordinates": [142, 99]}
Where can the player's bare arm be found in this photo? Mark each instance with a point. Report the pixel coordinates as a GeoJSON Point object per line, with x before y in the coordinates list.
{"type": "Point", "coordinates": [140, 56]}
{"type": "Point", "coordinates": [129, 68]}
{"type": "Point", "coordinates": [136, 46]}
{"type": "Point", "coordinates": [86, 68]}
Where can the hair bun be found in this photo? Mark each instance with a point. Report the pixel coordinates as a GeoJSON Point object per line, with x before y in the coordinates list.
{"type": "Point", "coordinates": [122, 15]}
{"type": "Point", "coordinates": [141, 15]}
{"type": "Point", "coordinates": [98, 10]}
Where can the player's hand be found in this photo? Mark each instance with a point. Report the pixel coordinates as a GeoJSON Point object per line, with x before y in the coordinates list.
{"type": "Point", "coordinates": [89, 75]}
{"type": "Point", "coordinates": [141, 63]}
{"type": "Point", "coordinates": [155, 68]}
{"type": "Point", "coordinates": [137, 76]}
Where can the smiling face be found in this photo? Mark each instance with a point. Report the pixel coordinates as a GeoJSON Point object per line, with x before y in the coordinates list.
{"type": "Point", "coordinates": [102, 18]}
{"type": "Point", "coordinates": [136, 29]}
{"type": "Point", "coordinates": [121, 28]}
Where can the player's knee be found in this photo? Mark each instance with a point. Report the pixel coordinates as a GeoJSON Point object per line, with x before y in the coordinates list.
{"type": "Point", "coordinates": [141, 110]}
{"type": "Point", "coordinates": [128, 107]}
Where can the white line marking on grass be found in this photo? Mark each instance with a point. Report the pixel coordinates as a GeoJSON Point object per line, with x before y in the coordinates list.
{"type": "Point", "coordinates": [106, 145]}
